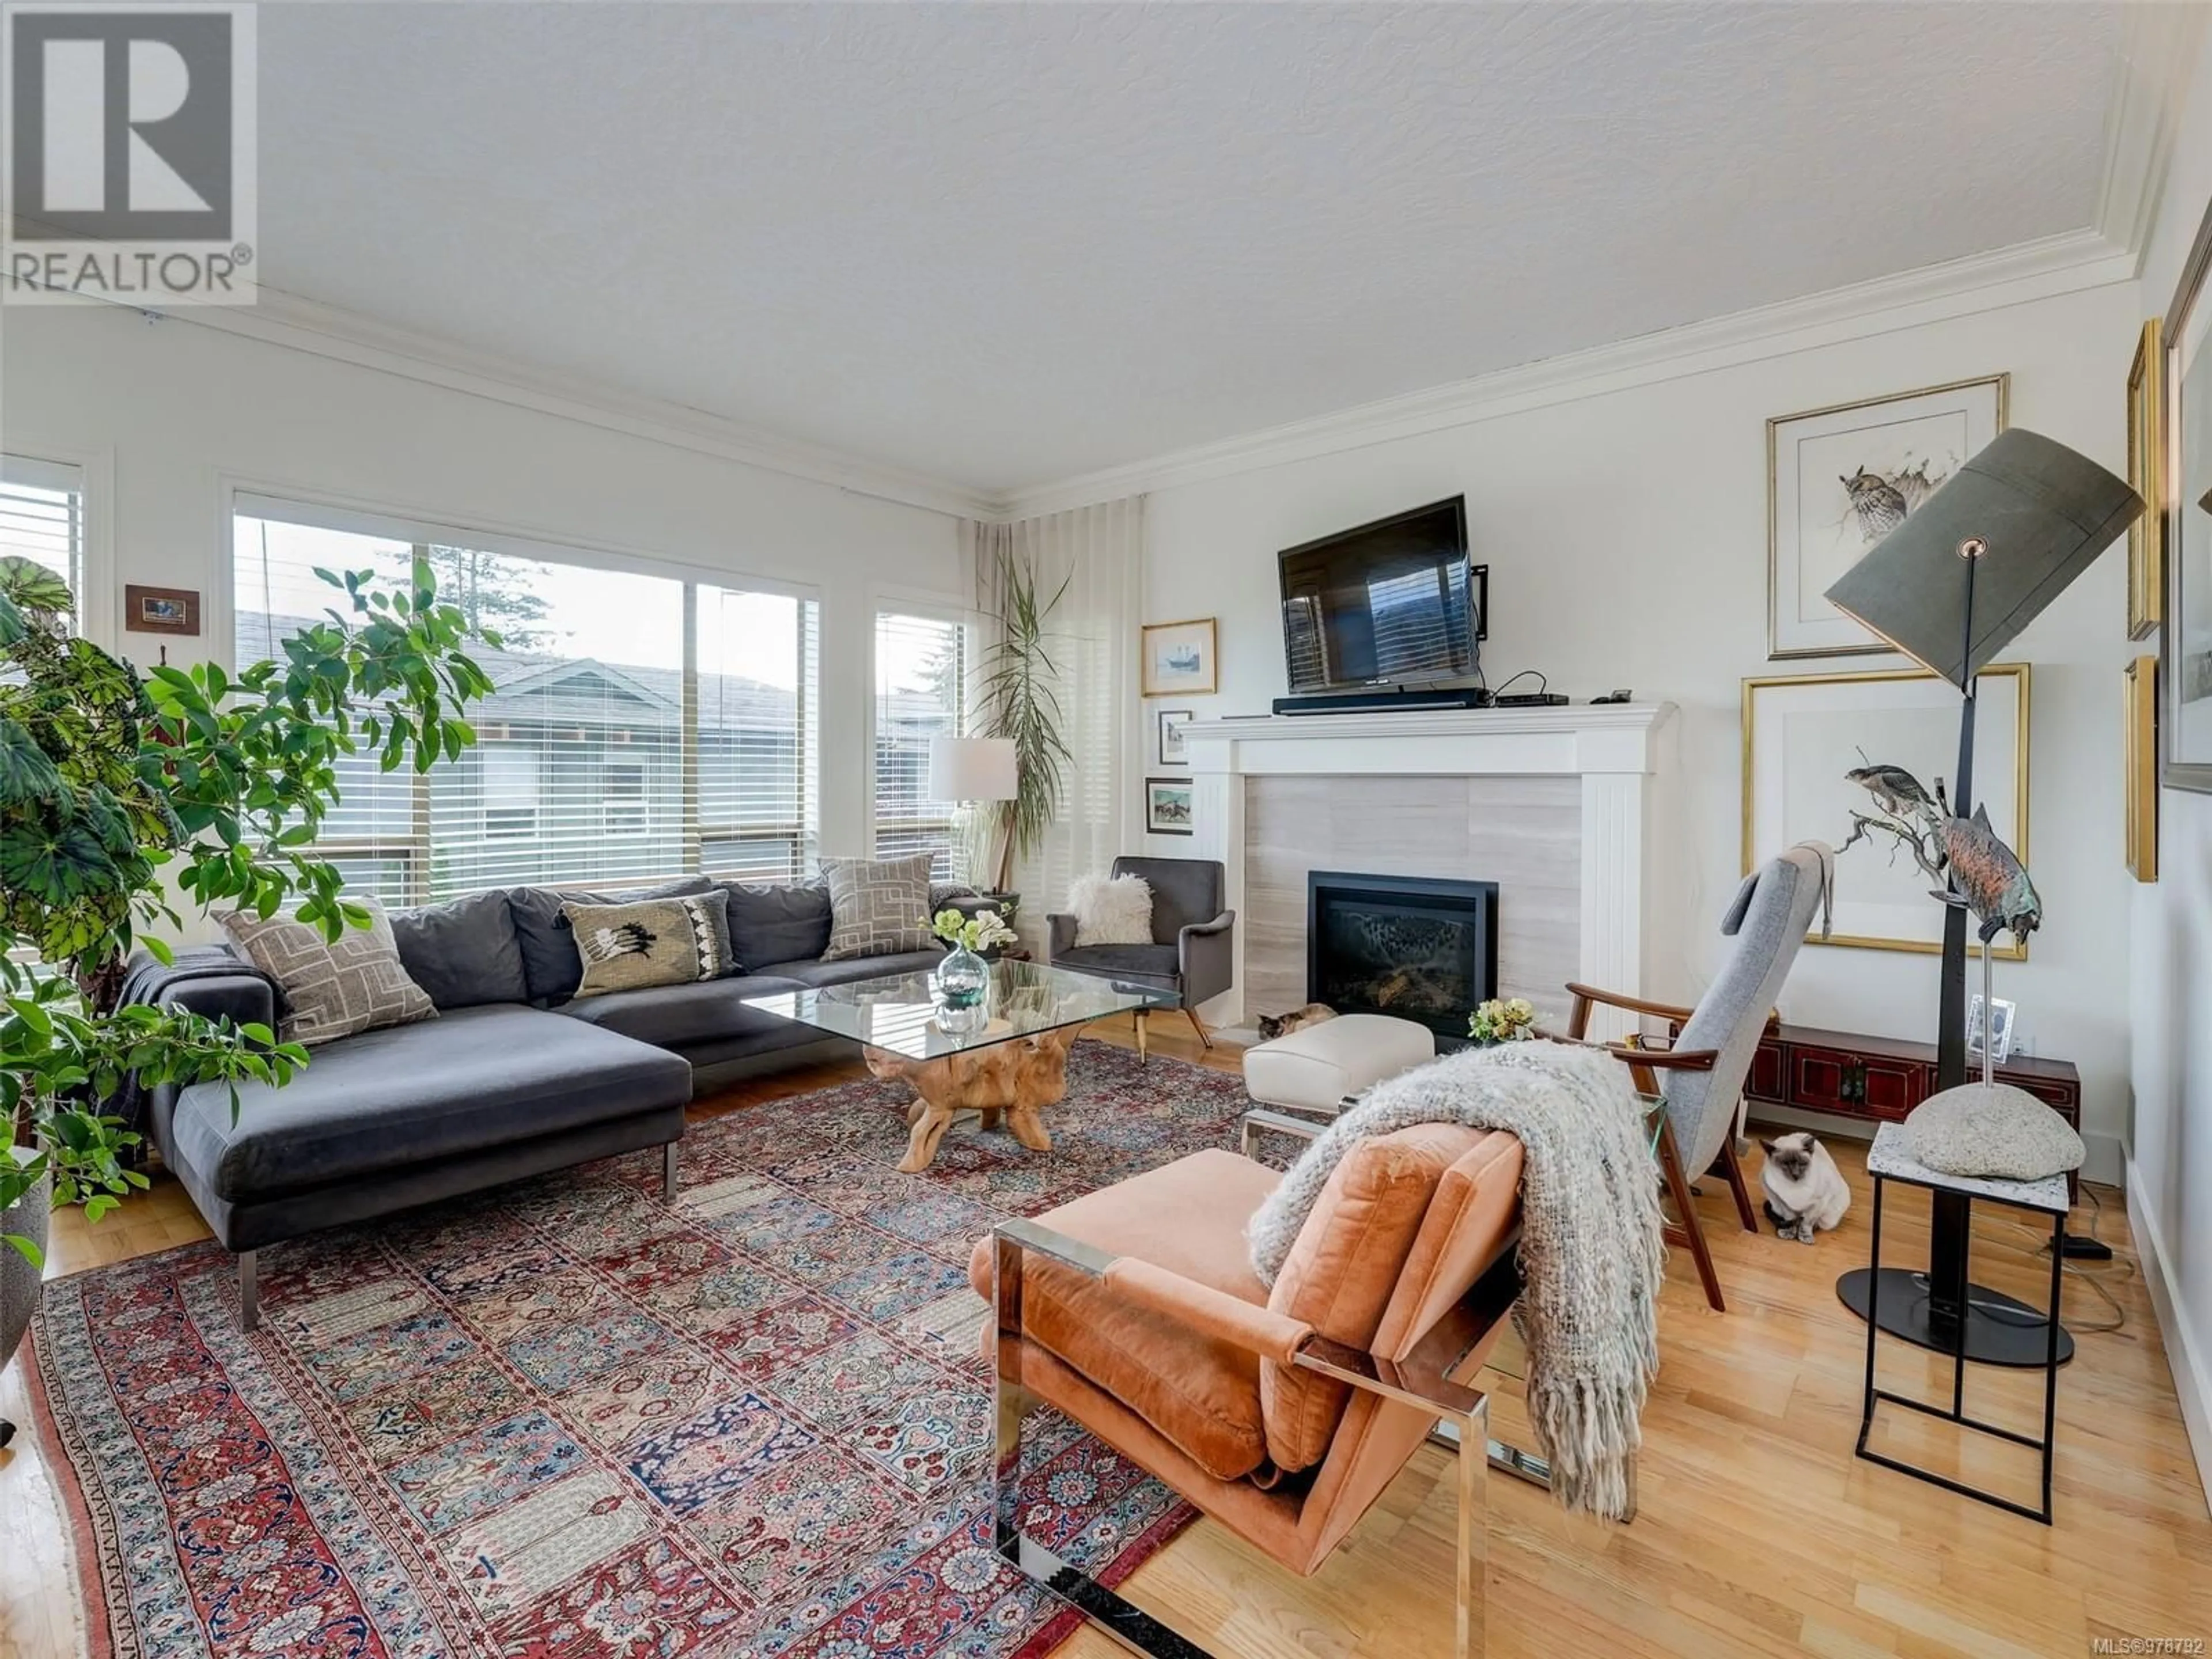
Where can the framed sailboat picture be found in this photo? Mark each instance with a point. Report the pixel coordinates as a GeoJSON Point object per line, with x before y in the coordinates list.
{"type": "Point", "coordinates": [1179, 659]}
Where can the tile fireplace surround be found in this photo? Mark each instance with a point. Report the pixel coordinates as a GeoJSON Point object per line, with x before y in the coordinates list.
{"type": "Point", "coordinates": [1566, 808]}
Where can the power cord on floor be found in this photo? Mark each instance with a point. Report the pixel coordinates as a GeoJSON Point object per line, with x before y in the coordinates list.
{"type": "Point", "coordinates": [2092, 1278]}
{"type": "Point", "coordinates": [2039, 1244]}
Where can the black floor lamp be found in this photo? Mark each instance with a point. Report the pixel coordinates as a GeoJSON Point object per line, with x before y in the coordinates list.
{"type": "Point", "coordinates": [1951, 587]}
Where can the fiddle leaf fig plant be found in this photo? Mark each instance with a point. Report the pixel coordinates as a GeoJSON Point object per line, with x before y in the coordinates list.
{"type": "Point", "coordinates": [118, 786]}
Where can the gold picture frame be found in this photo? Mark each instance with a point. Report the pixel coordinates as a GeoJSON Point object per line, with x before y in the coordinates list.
{"type": "Point", "coordinates": [1180, 658]}
{"type": "Point", "coordinates": [2184, 638]}
{"type": "Point", "coordinates": [2142, 766]}
{"type": "Point", "coordinates": [1900, 716]}
{"type": "Point", "coordinates": [1804, 552]}
{"type": "Point", "coordinates": [2145, 467]}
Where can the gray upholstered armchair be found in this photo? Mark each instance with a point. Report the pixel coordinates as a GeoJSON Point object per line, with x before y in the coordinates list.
{"type": "Point", "coordinates": [1194, 936]}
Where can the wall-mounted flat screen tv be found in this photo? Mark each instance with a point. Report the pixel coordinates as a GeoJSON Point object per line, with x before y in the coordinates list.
{"type": "Point", "coordinates": [1391, 603]}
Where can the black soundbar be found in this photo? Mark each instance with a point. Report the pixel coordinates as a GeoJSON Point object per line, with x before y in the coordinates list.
{"type": "Point", "coordinates": [1345, 702]}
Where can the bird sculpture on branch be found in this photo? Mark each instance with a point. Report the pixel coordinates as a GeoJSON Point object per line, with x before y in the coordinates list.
{"type": "Point", "coordinates": [1895, 790]}
{"type": "Point", "coordinates": [1910, 815]}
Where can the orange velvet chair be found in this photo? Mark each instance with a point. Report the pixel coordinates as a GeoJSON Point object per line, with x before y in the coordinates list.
{"type": "Point", "coordinates": [1282, 1413]}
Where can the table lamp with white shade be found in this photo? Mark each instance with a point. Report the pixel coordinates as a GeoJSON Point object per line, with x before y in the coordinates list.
{"type": "Point", "coordinates": [972, 770]}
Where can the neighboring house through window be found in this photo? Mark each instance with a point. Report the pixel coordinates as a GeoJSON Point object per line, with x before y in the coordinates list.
{"type": "Point", "coordinates": [610, 690]}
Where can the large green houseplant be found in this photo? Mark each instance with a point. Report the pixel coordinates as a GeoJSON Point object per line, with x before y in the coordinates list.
{"type": "Point", "coordinates": [1017, 700]}
{"type": "Point", "coordinates": [120, 790]}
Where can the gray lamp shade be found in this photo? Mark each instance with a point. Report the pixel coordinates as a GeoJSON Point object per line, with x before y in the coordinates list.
{"type": "Point", "coordinates": [2044, 513]}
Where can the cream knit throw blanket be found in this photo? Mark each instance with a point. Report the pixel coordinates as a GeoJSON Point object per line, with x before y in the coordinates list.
{"type": "Point", "coordinates": [1592, 1251]}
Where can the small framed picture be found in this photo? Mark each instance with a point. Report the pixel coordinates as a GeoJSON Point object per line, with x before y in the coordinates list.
{"type": "Point", "coordinates": [1998, 1022]}
{"type": "Point", "coordinates": [1180, 658]}
{"type": "Point", "coordinates": [160, 609]}
{"type": "Point", "coordinates": [1168, 724]}
{"type": "Point", "coordinates": [1168, 806]}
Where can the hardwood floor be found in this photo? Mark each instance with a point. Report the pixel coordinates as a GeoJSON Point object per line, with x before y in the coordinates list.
{"type": "Point", "coordinates": [1759, 1532]}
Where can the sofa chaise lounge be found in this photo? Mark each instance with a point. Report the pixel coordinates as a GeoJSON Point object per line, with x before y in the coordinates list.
{"type": "Point", "coordinates": [516, 1075]}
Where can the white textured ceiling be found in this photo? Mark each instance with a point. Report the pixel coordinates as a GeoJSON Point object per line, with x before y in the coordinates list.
{"type": "Point", "coordinates": [1000, 244]}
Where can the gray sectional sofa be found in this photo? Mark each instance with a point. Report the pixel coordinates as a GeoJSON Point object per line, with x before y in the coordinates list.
{"type": "Point", "coordinates": [515, 1076]}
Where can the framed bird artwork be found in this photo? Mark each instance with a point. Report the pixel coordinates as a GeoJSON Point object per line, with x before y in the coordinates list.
{"type": "Point", "coordinates": [1841, 479]}
{"type": "Point", "coordinates": [1865, 762]}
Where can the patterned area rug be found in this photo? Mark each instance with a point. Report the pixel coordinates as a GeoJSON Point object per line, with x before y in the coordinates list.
{"type": "Point", "coordinates": [566, 1420]}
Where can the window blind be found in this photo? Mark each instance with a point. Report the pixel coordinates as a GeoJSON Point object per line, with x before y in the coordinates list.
{"type": "Point", "coordinates": [921, 674]}
{"type": "Point", "coordinates": [42, 516]}
{"type": "Point", "coordinates": [372, 834]}
{"type": "Point", "coordinates": [639, 725]}
{"type": "Point", "coordinates": [42, 520]}
{"type": "Point", "coordinates": [577, 771]}
{"type": "Point", "coordinates": [759, 757]}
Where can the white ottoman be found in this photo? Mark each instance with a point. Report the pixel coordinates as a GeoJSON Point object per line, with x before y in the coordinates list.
{"type": "Point", "coordinates": [1314, 1069]}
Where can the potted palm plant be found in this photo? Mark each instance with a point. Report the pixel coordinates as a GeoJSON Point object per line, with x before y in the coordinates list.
{"type": "Point", "coordinates": [1017, 702]}
{"type": "Point", "coordinates": [117, 786]}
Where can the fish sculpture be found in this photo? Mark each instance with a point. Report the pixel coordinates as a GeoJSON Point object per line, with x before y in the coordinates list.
{"type": "Point", "coordinates": [1989, 879]}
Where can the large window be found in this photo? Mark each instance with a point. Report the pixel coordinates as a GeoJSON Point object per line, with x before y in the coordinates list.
{"type": "Point", "coordinates": [921, 679]}
{"type": "Point", "coordinates": [42, 516]}
{"type": "Point", "coordinates": [639, 725]}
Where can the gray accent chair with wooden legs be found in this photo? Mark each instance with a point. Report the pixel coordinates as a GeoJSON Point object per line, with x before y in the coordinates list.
{"type": "Point", "coordinates": [1701, 1073]}
{"type": "Point", "coordinates": [1193, 952]}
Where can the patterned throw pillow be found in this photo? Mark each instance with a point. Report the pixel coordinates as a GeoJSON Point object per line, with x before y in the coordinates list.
{"type": "Point", "coordinates": [671, 941]}
{"type": "Point", "coordinates": [331, 991]}
{"type": "Point", "coordinates": [877, 907]}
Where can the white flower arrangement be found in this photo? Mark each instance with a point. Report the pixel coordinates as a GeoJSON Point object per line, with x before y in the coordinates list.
{"type": "Point", "coordinates": [986, 930]}
{"type": "Point", "coordinates": [1497, 1021]}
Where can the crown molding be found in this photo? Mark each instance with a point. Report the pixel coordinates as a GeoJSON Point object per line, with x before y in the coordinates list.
{"type": "Point", "coordinates": [2159, 46]}
{"type": "Point", "coordinates": [2040, 270]}
{"type": "Point", "coordinates": [286, 320]}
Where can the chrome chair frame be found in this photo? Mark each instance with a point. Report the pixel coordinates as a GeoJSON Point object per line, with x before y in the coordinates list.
{"type": "Point", "coordinates": [1424, 1380]}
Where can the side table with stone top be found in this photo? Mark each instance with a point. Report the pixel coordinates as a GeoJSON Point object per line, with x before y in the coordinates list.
{"type": "Point", "coordinates": [1890, 1158]}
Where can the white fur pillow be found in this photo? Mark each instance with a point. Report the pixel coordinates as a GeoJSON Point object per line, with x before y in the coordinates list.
{"type": "Point", "coordinates": [1115, 912]}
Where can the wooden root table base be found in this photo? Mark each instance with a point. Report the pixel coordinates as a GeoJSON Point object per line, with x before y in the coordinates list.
{"type": "Point", "coordinates": [1018, 1077]}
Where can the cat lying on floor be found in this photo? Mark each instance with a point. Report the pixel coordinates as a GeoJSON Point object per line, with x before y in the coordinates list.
{"type": "Point", "coordinates": [1276, 1025]}
{"type": "Point", "coordinates": [1806, 1193]}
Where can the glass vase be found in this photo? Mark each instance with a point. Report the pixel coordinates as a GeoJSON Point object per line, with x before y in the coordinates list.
{"type": "Point", "coordinates": [958, 985]}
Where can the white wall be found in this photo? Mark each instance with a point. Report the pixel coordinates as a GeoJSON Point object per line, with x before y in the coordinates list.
{"type": "Point", "coordinates": [167, 416]}
{"type": "Point", "coordinates": [1626, 539]}
{"type": "Point", "coordinates": [2170, 1171]}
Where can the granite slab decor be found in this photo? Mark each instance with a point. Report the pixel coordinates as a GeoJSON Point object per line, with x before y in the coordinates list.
{"type": "Point", "coordinates": [565, 1418]}
{"type": "Point", "coordinates": [1890, 1157]}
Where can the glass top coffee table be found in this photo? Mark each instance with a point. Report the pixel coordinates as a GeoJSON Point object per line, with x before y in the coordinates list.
{"type": "Point", "coordinates": [1014, 1064]}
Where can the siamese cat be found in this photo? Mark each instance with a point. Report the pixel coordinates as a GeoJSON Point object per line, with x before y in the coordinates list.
{"type": "Point", "coordinates": [1806, 1193]}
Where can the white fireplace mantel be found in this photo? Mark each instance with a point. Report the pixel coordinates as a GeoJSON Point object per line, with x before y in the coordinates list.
{"type": "Point", "coordinates": [1622, 752]}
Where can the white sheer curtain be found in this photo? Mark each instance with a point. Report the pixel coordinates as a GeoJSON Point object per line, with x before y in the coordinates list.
{"type": "Point", "coordinates": [1099, 551]}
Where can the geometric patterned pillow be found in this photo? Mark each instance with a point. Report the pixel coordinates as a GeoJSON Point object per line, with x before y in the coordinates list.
{"type": "Point", "coordinates": [876, 906]}
{"type": "Point", "coordinates": [648, 942]}
{"type": "Point", "coordinates": [331, 991]}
